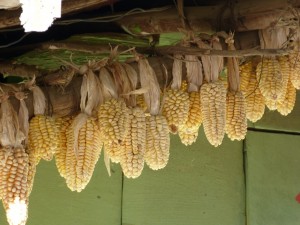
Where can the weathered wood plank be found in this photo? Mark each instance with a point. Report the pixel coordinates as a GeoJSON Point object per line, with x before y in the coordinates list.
{"type": "Point", "coordinates": [200, 185]}
{"type": "Point", "coordinates": [273, 164]}
{"type": "Point", "coordinates": [272, 120]}
{"type": "Point", "coordinates": [52, 203]}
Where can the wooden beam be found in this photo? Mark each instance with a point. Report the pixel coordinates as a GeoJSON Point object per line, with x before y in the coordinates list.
{"type": "Point", "coordinates": [10, 18]}
{"type": "Point", "coordinates": [65, 101]}
{"type": "Point", "coordinates": [240, 16]}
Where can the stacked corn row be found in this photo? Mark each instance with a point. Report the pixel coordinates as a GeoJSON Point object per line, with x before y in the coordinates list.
{"type": "Point", "coordinates": [255, 103]}
{"type": "Point", "coordinates": [176, 101]}
{"type": "Point", "coordinates": [82, 158]}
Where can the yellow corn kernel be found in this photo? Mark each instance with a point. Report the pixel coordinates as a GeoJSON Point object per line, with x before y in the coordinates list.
{"type": "Point", "coordinates": [188, 136]}
{"type": "Point", "coordinates": [176, 108]}
{"type": "Point", "coordinates": [255, 102]}
{"type": "Point", "coordinates": [213, 108]}
{"type": "Point", "coordinates": [13, 183]}
{"type": "Point", "coordinates": [272, 80]}
{"type": "Point", "coordinates": [286, 105]}
{"type": "Point", "coordinates": [42, 137]}
{"type": "Point", "coordinates": [140, 102]}
{"type": "Point", "coordinates": [157, 142]}
{"type": "Point", "coordinates": [134, 145]}
{"type": "Point", "coordinates": [294, 61]}
{"type": "Point", "coordinates": [114, 151]}
{"type": "Point", "coordinates": [113, 121]}
{"type": "Point", "coordinates": [60, 156]}
{"type": "Point", "coordinates": [236, 121]}
{"type": "Point", "coordinates": [80, 165]}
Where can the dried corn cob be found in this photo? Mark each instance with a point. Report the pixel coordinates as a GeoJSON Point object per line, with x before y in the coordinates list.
{"type": "Point", "coordinates": [31, 172]}
{"type": "Point", "coordinates": [213, 108]}
{"type": "Point", "coordinates": [188, 132]}
{"type": "Point", "coordinates": [113, 120]}
{"type": "Point", "coordinates": [271, 104]}
{"type": "Point", "coordinates": [176, 108]}
{"type": "Point", "coordinates": [42, 137]}
{"type": "Point", "coordinates": [82, 158]}
{"type": "Point", "coordinates": [13, 185]}
{"type": "Point", "coordinates": [236, 121]}
{"type": "Point", "coordinates": [188, 136]}
{"type": "Point", "coordinates": [294, 60]}
{"type": "Point", "coordinates": [270, 79]}
{"type": "Point", "coordinates": [158, 142]}
{"type": "Point", "coordinates": [60, 156]}
{"type": "Point", "coordinates": [140, 102]}
{"type": "Point", "coordinates": [255, 103]}
{"type": "Point", "coordinates": [285, 106]}
{"type": "Point", "coordinates": [134, 144]}
{"type": "Point", "coordinates": [176, 101]}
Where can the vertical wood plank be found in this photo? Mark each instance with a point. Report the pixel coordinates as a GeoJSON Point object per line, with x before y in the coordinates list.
{"type": "Point", "coordinates": [200, 185]}
{"type": "Point", "coordinates": [52, 203]}
{"type": "Point", "coordinates": [273, 165]}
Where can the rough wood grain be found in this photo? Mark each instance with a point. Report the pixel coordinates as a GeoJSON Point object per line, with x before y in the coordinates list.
{"type": "Point", "coordinates": [9, 18]}
{"type": "Point", "coordinates": [200, 185]}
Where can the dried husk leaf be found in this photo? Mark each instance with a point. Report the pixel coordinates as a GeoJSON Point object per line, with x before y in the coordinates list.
{"type": "Point", "coordinates": [233, 73]}
{"type": "Point", "coordinates": [193, 72]}
{"type": "Point", "coordinates": [39, 100]}
{"type": "Point", "coordinates": [206, 61]}
{"type": "Point", "coordinates": [273, 37]}
{"type": "Point", "coordinates": [177, 72]}
{"type": "Point", "coordinates": [23, 115]}
{"type": "Point", "coordinates": [149, 80]}
{"type": "Point", "coordinates": [76, 125]}
{"type": "Point", "coordinates": [109, 88]}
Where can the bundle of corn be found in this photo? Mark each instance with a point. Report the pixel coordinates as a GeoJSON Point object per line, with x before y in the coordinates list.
{"type": "Point", "coordinates": [14, 165]}
{"type": "Point", "coordinates": [157, 131]}
{"type": "Point", "coordinates": [83, 137]}
{"type": "Point", "coordinates": [213, 95]}
{"type": "Point", "coordinates": [23, 118]}
{"type": "Point", "coordinates": [63, 124]}
{"type": "Point", "coordinates": [42, 137]}
{"type": "Point", "coordinates": [132, 148]}
{"type": "Point", "coordinates": [188, 132]}
{"type": "Point", "coordinates": [255, 103]}
{"type": "Point", "coordinates": [294, 58]}
{"type": "Point", "coordinates": [286, 105]}
{"type": "Point", "coordinates": [236, 121]}
{"type": "Point", "coordinates": [294, 61]}
{"type": "Point", "coordinates": [176, 101]}
{"type": "Point", "coordinates": [273, 72]}
{"type": "Point", "coordinates": [113, 117]}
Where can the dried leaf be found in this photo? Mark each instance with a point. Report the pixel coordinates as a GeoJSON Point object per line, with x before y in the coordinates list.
{"type": "Point", "coordinates": [177, 71]}
{"type": "Point", "coordinates": [107, 162]}
{"type": "Point", "coordinates": [39, 100]}
{"type": "Point", "coordinates": [194, 72]}
{"type": "Point", "coordinates": [76, 125]}
{"type": "Point", "coordinates": [108, 86]}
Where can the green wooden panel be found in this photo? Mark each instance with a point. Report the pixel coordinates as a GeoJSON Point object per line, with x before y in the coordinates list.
{"type": "Point", "coordinates": [52, 203]}
{"type": "Point", "coordinates": [200, 185]}
{"type": "Point", "coordinates": [273, 165]}
{"type": "Point", "coordinates": [274, 121]}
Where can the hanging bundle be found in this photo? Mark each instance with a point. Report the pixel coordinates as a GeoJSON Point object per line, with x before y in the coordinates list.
{"type": "Point", "coordinates": [113, 116]}
{"type": "Point", "coordinates": [213, 94]}
{"type": "Point", "coordinates": [157, 131]}
{"type": "Point", "coordinates": [176, 101]}
{"type": "Point", "coordinates": [255, 102]}
{"type": "Point", "coordinates": [83, 137]}
{"type": "Point", "coordinates": [14, 165]}
{"type": "Point", "coordinates": [132, 148]}
{"type": "Point", "coordinates": [236, 120]}
{"type": "Point", "coordinates": [42, 137]}
{"type": "Point", "coordinates": [188, 132]}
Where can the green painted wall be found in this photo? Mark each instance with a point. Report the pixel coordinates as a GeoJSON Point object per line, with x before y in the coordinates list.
{"type": "Point", "coordinates": [273, 167]}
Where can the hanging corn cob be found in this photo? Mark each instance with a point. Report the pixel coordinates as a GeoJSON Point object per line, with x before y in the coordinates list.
{"type": "Point", "coordinates": [157, 134]}
{"type": "Point", "coordinates": [83, 137]}
{"type": "Point", "coordinates": [236, 121]}
{"type": "Point", "coordinates": [42, 138]}
{"type": "Point", "coordinates": [113, 117]}
{"type": "Point", "coordinates": [255, 103]}
{"type": "Point", "coordinates": [286, 105]}
{"type": "Point", "coordinates": [132, 148]}
{"type": "Point", "coordinates": [273, 72]}
{"type": "Point", "coordinates": [213, 95]}
{"type": "Point", "coordinates": [188, 132]}
{"type": "Point", "coordinates": [294, 58]}
{"type": "Point", "coordinates": [63, 124]}
{"type": "Point", "coordinates": [176, 101]}
{"type": "Point", "coordinates": [14, 165]}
